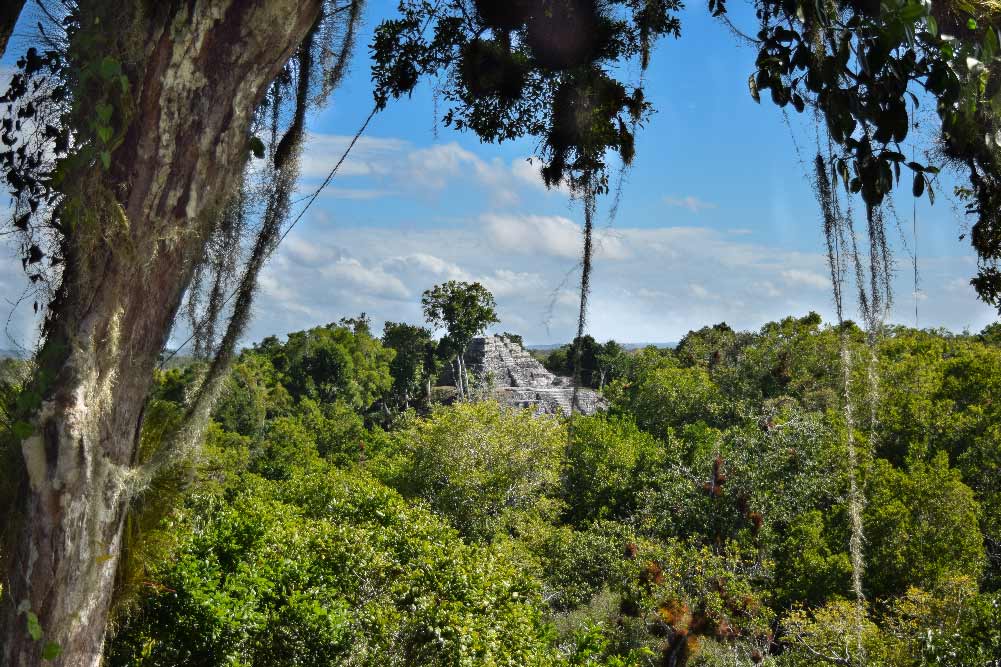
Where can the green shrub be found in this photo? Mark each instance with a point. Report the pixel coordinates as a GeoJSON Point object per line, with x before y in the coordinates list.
{"type": "Point", "coordinates": [482, 465]}
{"type": "Point", "coordinates": [330, 568]}
{"type": "Point", "coordinates": [921, 526]}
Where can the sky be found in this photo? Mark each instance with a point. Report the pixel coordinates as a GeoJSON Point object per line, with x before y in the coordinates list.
{"type": "Point", "coordinates": [717, 220]}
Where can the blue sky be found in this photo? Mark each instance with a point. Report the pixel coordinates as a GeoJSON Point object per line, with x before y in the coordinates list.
{"type": "Point", "coordinates": [717, 221]}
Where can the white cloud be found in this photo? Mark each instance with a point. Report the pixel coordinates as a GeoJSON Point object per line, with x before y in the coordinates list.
{"type": "Point", "coordinates": [298, 250]}
{"type": "Point", "coordinates": [693, 204]}
{"type": "Point", "coordinates": [401, 169]}
{"type": "Point", "coordinates": [699, 291]}
{"type": "Point", "coordinates": [675, 279]}
{"type": "Point", "coordinates": [767, 288]}
{"type": "Point", "coordinates": [551, 235]}
{"type": "Point", "coordinates": [424, 264]}
{"type": "Point", "coordinates": [806, 278]}
{"type": "Point", "coordinates": [371, 156]}
{"type": "Point", "coordinates": [506, 283]}
{"type": "Point", "coordinates": [435, 166]}
{"type": "Point", "coordinates": [535, 234]}
{"type": "Point", "coordinates": [374, 281]}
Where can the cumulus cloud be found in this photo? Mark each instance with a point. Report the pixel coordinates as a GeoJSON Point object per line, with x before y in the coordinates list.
{"type": "Point", "coordinates": [371, 156]}
{"type": "Point", "coordinates": [534, 234]}
{"type": "Point", "coordinates": [505, 282]}
{"type": "Point", "coordinates": [554, 235]}
{"type": "Point", "coordinates": [396, 167]}
{"type": "Point", "coordinates": [424, 265]}
{"type": "Point", "coordinates": [693, 204]}
{"type": "Point", "coordinates": [351, 273]}
{"type": "Point", "coordinates": [806, 279]}
{"type": "Point", "coordinates": [675, 279]}
{"type": "Point", "coordinates": [699, 291]}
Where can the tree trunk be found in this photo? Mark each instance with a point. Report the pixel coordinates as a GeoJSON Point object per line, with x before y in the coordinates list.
{"type": "Point", "coordinates": [204, 68]}
{"type": "Point", "coordinates": [9, 13]}
{"type": "Point", "coordinates": [462, 375]}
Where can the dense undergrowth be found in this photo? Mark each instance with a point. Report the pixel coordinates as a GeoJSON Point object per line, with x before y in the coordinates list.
{"type": "Point", "coordinates": [702, 521]}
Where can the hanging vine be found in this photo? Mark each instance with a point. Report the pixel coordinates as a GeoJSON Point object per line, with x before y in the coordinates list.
{"type": "Point", "coordinates": [837, 231]}
{"type": "Point", "coordinates": [859, 64]}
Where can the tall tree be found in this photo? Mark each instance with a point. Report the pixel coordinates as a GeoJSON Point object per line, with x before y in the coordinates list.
{"type": "Point", "coordinates": [415, 362]}
{"type": "Point", "coordinates": [155, 103]}
{"type": "Point", "coordinates": [464, 310]}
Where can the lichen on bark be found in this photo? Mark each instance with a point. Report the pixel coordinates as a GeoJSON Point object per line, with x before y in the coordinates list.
{"type": "Point", "coordinates": [196, 72]}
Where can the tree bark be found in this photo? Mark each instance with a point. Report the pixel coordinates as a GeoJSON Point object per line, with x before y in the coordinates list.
{"type": "Point", "coordinates": [204, 68]}
{"type": "Point", "coordinates": [9, 13]}
{"type": "Point", "coordinates": [462, 376]}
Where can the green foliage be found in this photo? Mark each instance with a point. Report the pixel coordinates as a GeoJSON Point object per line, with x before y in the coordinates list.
{"type": "Point", "coordinates": [827, 635]}
{"type": "Point", "coordinates": [860, 65]}
{"type": "Point", "coordinates": [336, 362]}
{"type": "Point", "coordinates": [328, 567]}
{"type": "Point", "coordinates": [606, 464]}
{"type": "Point", "coordinates": [464, 309]}
{"type": "Point", "coordinates": [950, 624]}
{"type": "Point", "coordinates": [514, 338]}
{"type": "Point", "coordinates": [599, 364]}
{"type": "Point", "coordinates": [483, 466]}
{"type": "Point", "coordinates": [338, 430]}
{"type": "Point", "coordinates": [242, 407]}
{"type": "Point", "coordinates": [991, 334]}
{"type": "Point", "coordinates": [792, 358]}
{"type": "Point", "coordinates": [810, 569]}
{"type": "Point", "coordinates": [921, 526]}
{"type": "Point", "coordinates": [415, 363]}
{"type": "Point", "coordinates": [703, 521]}
{"type": "Point", "coordinates": [577, 564]}
{"type": "Point", "coordinates": [667, 397]}
{"type": "Point", "coordinates": [937, 394]}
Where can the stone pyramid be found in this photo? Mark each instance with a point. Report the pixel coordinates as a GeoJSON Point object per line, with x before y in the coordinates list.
{"type": "Point", "coordinates": [504, 370]}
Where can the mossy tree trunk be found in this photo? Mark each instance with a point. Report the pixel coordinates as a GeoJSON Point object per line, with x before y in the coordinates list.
{"type": "Point", "coordinates": [197, 74]}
